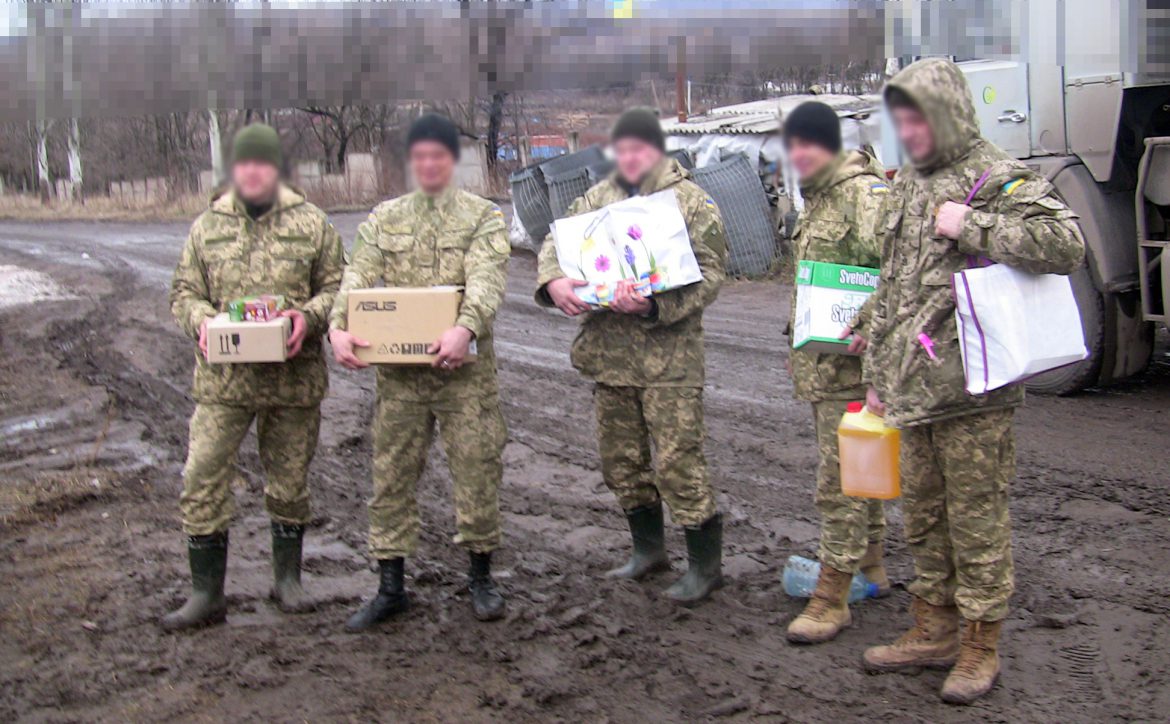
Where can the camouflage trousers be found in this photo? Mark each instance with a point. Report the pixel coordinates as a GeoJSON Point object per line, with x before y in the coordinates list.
{"type": "Point", "coordinates": [955, 478]}
{"type": "Point", "coordinates": [287, 440]}
{"type": "Point", "coordinates": [629, 419]}
{"type": "Point", "coordinates": [473, 435]}
{"type": "Point", "coordinates": [848, 524]}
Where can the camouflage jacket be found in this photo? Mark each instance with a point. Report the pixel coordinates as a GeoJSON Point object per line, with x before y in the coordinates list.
{"type": "Point", "coordinates": [417, 240]}
{"type": "Point", "coordinates": [291, 250]}
{"type": "Point", "coordinates": [1017, 219]}
{"type": "Point", "coordinates": [839, 224]}
{"type": "Point", "coordinates": [666, 350]}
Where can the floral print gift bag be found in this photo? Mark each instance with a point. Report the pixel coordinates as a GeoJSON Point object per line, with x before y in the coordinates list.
{"type": "Point", "coordinates": [643, 239]}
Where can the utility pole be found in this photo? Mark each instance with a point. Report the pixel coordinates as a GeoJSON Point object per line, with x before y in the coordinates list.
{"type": "Point", "coordinates": [680, 75]}
{"type": "Point", "coordinates": [75, 177]}
{"type": "Point", "coordinates": [43, 161]}
{"type": "Point", "coordinates": [216, 147]}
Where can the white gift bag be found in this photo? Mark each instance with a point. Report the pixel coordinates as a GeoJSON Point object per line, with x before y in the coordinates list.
{"type": "Point", "coordinates": [643, 239]}
{"type": "Point", "coordinates": [1013, 325]}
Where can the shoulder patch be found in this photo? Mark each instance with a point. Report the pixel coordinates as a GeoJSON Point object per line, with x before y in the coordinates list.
{"type": "Point", "coordinates": [879, 188]}
{"type": "Point", "coordinates": [1010, 187]}
{"type": "Point", "coordinates": [497, 211]}
{"type": "Point", "coordinates": [709, 202]}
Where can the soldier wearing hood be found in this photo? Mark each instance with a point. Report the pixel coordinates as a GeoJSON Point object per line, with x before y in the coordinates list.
{"type": "Point", "coordinates": [260, 236]}
{"type": "Point", "coordinates": [645, 355]}
{"type": "Point", "coordinates": [958, 450]}
{"type": "Point", "coordinates": [843, 194]}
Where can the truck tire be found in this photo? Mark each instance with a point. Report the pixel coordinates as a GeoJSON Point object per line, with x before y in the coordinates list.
{"type": "Point", "coordinates": [1075, 377]}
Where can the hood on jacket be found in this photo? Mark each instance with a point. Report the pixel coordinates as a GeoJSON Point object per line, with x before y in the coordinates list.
{"type": "Point", "coordinates": [845, 166]}
{"type": "Point", "coordinates": [940, 89]}
{"type": "Point", "coordinates": [225, 201]}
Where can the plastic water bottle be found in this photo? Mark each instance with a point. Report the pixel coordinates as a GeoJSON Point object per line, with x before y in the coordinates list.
{"type": "Point", "coordinates": [800, 580]}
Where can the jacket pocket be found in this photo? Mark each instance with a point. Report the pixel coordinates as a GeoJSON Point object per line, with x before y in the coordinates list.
{"type": "Point", "coordinates": [292, 267]}
{"type": "Point", "coordinates": [395, 245]}
{"type": "Point", "coordinates": [226, 264]}
{"type": "Point", "coordinates": [451, 248]}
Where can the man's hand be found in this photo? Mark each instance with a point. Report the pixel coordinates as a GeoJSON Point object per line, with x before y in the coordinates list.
{"type": "Point", "coordinates": [565, 299]}
{"type": "Point", "coordinates": [949, 220]}
{"type": "Point", "coordinates": [873, 403]}
{"type": "Point", "coordinates": [627, 300]}
{"type": "Point", "coordinates": [451, 348]}
{"type": "Point", "coordinates": [203, 337]}
{"type": "Point", "coordinates": [299, 327]}
{"type": "Point", "coordinates": [343, 343]}
{"type": "Point", "coordinates": [857, 344]}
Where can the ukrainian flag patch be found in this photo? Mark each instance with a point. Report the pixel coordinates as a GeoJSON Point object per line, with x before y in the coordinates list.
{"type": "Point", "coordinates": [1010, 187]}
{"type": "Point", "coordinates": [710, 202]}
{"type": "Point", "coordinates": [879, 188]}
{"type": "Point", "coordinates": [497, 211]}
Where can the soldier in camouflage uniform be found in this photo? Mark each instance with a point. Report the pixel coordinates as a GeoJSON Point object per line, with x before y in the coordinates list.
{"type": "Point", "coordinates": [437, 235]}
{"type": "Point", "coordinates": [646, 356]}
{"type": "Point", "coordinates": [958, 450]}
{"type": "Point", "coordinates": [843, 194]}
{"type": "Point", "coordinates": [258, 237]}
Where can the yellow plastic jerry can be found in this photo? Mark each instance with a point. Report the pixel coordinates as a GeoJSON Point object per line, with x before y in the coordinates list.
{"type": "Point", "coordinates": [869, 455]}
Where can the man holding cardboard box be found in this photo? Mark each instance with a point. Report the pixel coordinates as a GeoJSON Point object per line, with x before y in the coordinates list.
{"type": "Point", "coordinates": [843, 195]}
{"type": "Point", "coordinates": [646, 355]}
{"type": "Point", "coordinates": [958, 199]}
{"type": "Point", "coordinates": [437, 236]}
{"type": "Point", "coordinates": [260, 237]}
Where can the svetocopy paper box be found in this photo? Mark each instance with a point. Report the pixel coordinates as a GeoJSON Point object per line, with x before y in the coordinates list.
{"type": "Point", "coordinates": [231, 342]}
{"type": "Point", "coordinates": [400, 323]}
{"type": "Point", "coordinates": [828, 297]}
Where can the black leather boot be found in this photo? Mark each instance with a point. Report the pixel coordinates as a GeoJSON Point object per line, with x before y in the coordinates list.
{"type": "Point", "coordinates": [486, 602]}
{"type": "Point", "coordinates": [287, 544]}
{"type": "Point", "coordinates": [649, 555]}
{"type": "Point", "coordinates": [391, 598]}
{"type": "Point", "coordinates": [705, 571]}
{"type": "Point", "coordinates": [207, 555]}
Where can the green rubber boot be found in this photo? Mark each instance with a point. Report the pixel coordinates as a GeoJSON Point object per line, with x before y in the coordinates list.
{"type": "Point", "coordinates": [705, 571]}
{"type": "Point", "coordinates": [649, 555]}
{"type": "Point", "coordinates": [206, 606]}
{"type": "Point", "coordinates": [287, 544]}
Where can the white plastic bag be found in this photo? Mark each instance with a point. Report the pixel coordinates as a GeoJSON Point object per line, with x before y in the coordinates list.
{"type": "Point", "coordinates": [643, 239]}
{"type": "Point", "coordinates": [1013, 325]}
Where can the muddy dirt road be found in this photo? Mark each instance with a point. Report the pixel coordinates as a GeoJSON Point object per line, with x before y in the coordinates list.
{"type": "Point", "coordinates": [93, 413]}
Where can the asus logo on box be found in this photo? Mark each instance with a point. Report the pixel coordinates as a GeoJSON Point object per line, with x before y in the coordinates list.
{"type": "Point", "coordinates": [383, 306]}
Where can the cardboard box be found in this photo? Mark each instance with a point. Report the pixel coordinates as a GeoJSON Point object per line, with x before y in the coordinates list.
{"type": "Point", "coordinates": [231, 342]}
{"type": "Point", "coordinates": [828, 297]}
{"type": "Point", "coordinates": [400, 323]}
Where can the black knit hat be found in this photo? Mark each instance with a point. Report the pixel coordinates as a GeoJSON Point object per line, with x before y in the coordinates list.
{"type": "Point", "coordinates": [814, 122]}
{"type": "Point", "coordinates": [641, 123]}
{"type": "Point", "coordinates": [434, 127]}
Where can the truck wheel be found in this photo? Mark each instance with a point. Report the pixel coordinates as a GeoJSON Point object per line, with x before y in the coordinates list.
{"type": "Point", "coordinates": [1076, 377]}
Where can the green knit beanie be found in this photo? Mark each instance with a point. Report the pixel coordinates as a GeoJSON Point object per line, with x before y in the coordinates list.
{"type": "Point", "coordinates": [641, 123]}
{"type": "Point", "coordinates": [257, 142]}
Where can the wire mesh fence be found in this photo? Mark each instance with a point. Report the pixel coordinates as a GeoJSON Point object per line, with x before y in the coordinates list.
{"type": "Point", "coordinates": [564, 188]}
{"type": "Point", "coordinates": [530, 203]}
{"type": "Point", "coordinates": [734, 184]}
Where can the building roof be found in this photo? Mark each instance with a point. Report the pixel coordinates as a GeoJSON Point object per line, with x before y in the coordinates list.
{"type": "Point", "coordinates": [764, 116]}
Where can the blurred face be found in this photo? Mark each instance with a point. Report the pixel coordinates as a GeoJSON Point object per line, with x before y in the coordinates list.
{"type": "Point", "coordinates": [255, 181]}
{"type": "Point", "coordinates": [634, 158]}
{"type": "Point", "coordinates": [432, 164]}
{"type": "Point", "coordinates": [808, 158]}
{"type": "Point", "coordinates": [914, 133]}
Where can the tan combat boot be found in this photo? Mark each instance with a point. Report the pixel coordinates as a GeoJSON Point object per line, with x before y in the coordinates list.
{"type": "Point", "coordinates": [932, 643]}
{"type": "Point", "coordinates": [874, 570]}
{"type": "Point", "coordinates": [827, 611]}
{"type": "Point", "coordinates": [978, 666]}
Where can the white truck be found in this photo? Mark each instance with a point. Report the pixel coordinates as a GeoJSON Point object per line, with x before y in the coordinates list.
{"type": "Point", "coordinates": [1088, 107]}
